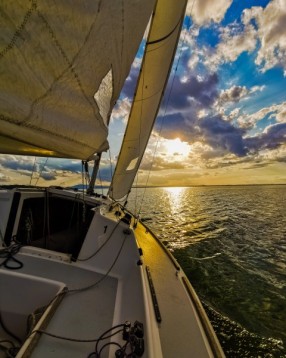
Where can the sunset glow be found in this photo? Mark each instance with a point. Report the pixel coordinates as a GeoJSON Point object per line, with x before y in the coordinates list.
{"type": "Point", "coordinates": [177, 147]}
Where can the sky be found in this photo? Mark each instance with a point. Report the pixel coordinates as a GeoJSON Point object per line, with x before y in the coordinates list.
{"type": "Point", "coordinates": [223, 118]}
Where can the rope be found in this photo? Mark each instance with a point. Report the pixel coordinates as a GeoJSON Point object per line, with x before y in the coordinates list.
{"type": "Point", "coordinates": [77, 339]}
{"type": "Point", "coordinates": [8, 254]}
{"type": "Point", "coordinates": [105, 275]}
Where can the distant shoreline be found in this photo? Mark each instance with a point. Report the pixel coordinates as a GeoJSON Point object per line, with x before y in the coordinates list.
{"type": "Point", "coordinates": [79, 186]}
{"type": "Point", "coordinates": [199, 185]}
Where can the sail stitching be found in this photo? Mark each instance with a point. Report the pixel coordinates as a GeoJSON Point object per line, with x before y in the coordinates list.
{"type": "Point", "coordinates": [69, 63]}
{"type": "Point", "coordinates": [18, 31]}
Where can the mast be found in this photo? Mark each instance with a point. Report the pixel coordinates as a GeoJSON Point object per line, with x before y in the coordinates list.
{"type": "Point", "coordinates": [90, 188]}
{"type": "Point", "coordinates": [156, 65]}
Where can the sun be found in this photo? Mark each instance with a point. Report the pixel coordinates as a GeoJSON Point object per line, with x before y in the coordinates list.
{"type": "Point", "coordinates": [177, 147]}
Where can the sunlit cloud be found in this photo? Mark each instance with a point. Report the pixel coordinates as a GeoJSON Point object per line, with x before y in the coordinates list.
{"type": "Point", "coordinates": [271, 23]}
{"type": "Point", "coordinates": [233, 42]}
{"type": "Point", "coordinates": [205, 11]}
{"type": "Point", "coordinates": [121, 110]}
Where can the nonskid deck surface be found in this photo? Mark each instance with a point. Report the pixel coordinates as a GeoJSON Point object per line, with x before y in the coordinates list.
{"type": "Point", "coordinates": [83, 314]}
{"type": "Point", "coordinates": [180, 329]}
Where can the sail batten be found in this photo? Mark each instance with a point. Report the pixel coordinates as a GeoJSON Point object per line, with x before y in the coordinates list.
{"type": "Point", "coordinates": [157, 61]}
{"type": "Point", "coordinates": [62, 67]}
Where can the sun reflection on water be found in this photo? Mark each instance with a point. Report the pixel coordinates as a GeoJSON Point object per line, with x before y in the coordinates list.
{"type": "Point", "coordinates": [176, 198]}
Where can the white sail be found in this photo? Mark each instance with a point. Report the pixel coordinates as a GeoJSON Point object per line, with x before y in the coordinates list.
{"type": "Point", "coordinates": [159, 53]}
{"type": "Point", "coordinates": [62, 67]}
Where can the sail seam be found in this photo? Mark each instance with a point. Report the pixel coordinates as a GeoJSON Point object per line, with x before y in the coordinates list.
{"type": "Point", "coordinates": [28, 125]}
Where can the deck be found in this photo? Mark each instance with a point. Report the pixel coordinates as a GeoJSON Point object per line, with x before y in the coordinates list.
{"type": "Point", "coordinates": [177, 308]}
{"type": "Point", "coordinates": [96, 306]}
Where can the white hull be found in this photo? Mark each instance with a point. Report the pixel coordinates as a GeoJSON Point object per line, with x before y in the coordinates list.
{"type": "Point", "coordinates": [105, 278]}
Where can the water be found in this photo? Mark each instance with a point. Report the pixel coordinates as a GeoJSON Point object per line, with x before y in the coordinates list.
{"type": "Point", "coordinates": [231, 242]}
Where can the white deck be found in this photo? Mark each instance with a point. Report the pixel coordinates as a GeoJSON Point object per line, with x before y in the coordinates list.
{"type": "Point", "coordinates": [83, 315]}
{"type": "Point", "coordinates": [110, 255]}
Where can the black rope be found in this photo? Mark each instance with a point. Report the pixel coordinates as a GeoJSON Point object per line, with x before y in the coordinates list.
{"type": "Point", "coordinates": [8, 253]}
{"type": "Point", "coordinates": [102, 246]}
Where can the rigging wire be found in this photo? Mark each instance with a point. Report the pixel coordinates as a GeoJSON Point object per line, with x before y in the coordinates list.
{"type": "Point", "coordinates": [40, 173]}
{"type": "Point", "coordinates": [32, 173]}
{"type": "Point", "coordinates": [100, 180]}
{"type": "Point", "coordinates": [110, 164]}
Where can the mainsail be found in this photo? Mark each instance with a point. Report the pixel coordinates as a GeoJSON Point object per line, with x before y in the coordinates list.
{"type": "Point", "coordinates": [158, 58]}
{"type": "Point", "coordinates": [62, 67]}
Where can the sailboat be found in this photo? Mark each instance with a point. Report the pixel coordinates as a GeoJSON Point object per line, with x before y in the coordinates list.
{"type": "Point", "coordinates": [80, 275]}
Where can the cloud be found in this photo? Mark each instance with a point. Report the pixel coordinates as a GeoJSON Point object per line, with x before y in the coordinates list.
{"type": "Point", "coordinates": [161, 163]}
{"type": "Point", "coordinates": [48, 175]}
{"type": "Point", "coordinates": [178, 126]}
{"type": "Point", "coordinates": [121, 110]}
{"type": "Point", "coordinates": [206, 11]}
{"type": "Point", "coordinates": [221, 134]}
{"type": "Point", "coordinates": [271, 23]}
{"type": "Point", "coordinates": [131, 81]}
{"type": "Point", "coordinates": [4, 178]}
{"type": "Point", "coordinates": [272, 137]}
{"type": "Point", "coordinates": [215, 162]}
{"type": "Point", "coordinates": [13, 162]}
{"type": "Point", "coordinates": [233, 94]}
{"type": "Point", "coordinates": [51, 170]}
{"type": "Point", "coordinates": [260, 28]}
{"type": "Point", "coordinates": [276, 112]}
{"type": "Point", "coordinates": [234, 40]}
{"type": "Point", "coordinates": [201, 90]}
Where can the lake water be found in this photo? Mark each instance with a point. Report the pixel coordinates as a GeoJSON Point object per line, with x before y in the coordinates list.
{"type": "Point", "coordinates": [231, 242]}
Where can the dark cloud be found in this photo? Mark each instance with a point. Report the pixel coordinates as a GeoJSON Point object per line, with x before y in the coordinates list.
{"type": "Point", "coordinates": [67, 165]}
{"type": "Point", "coordinates": [161, 164]}
{"type": "Point", "coordinates": [177, 126]}
{"type": "Point", "coordinates": [272, 138]}
{"type": "Point", "coordinates": [48, 175]}
{"type": "Point", "coordinates": [257, 165]}
{"type": "Point", "coordinates": [281, 159]}
{"type": "Point", "coordinates": [130, 84]}
{"type": "Point", "coordinates": [17, 165]}
{"type": "Point", "coordinates": [104, 174]}
{"type": "Point", "coordinates": [204, 92]}
{"type": "Point", "coordinates": [219, 133]}
{"type": "Point", "coordinates": [233, 94]}
{"type": "Point", "coordinates": [213, 131]}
